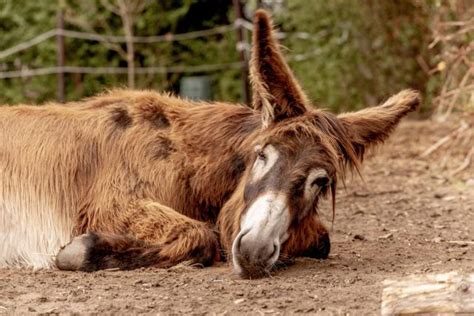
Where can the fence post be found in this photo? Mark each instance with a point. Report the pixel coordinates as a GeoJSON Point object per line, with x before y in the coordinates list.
{"type": "Point", "coordinates": [61, 56]}
{"type": "Point", "coordinates": [240, 38]}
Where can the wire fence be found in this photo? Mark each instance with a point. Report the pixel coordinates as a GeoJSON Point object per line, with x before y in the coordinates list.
{"type": "Point", "coordinates": [26, 72]}
{"type": "Point", "coordinates": [145, 39]}
{"type": "Point", "coordinates": [113, 38]}
{"type": "Point", "coordinates": [239, 24]}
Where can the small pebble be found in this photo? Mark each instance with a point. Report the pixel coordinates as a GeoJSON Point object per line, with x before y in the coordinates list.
{"type": "Point", "coordinates": [358, 237]}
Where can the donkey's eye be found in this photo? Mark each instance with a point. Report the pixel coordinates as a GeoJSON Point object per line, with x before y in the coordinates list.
{"type": "Point", "coordinates": [320, 181]}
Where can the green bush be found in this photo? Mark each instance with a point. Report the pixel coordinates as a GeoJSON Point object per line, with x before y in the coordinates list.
{"type": "Point", "coordinates": [370, 49]}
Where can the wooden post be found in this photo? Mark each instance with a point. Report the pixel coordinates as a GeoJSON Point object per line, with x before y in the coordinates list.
{"type": "Point", "coordinates": [61, 57]}
{"type": "Point", "coordinates": [127, 21]}
{"type": "Point", "coordinates": [447, 293]}
{"type": "Point", "coordinates": [240, 38]}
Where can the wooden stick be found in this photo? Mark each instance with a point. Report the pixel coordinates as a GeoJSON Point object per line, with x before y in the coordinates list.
{"type": "Point", "coordinates": [436, 293]}
{"type": "Point", "coordinates": [61, 58]}
{"type": "Point", "coordinates": [244, 70]}
{"type": "Point", "coordinates": [457, 94]}
{"type": "Point", "coordinates": [465, 163]}
{"type": "Point", "coordinates": [444, 140]}
{"type": "Point", "coordinates": [460, 242]}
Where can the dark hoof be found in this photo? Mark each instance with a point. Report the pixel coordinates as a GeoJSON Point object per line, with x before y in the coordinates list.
{"type": "Point", "coordinates": [321, 249]}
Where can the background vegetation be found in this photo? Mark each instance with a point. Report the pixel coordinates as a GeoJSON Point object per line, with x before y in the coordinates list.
{"type": "Point", "coordinates": [362, 50]}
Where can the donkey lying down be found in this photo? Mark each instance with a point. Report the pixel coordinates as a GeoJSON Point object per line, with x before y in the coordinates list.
{"type": "Point", "coordinates": [135, 178]}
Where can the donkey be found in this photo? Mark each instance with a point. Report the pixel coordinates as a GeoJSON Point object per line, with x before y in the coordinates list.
{"type": "Point", "coordinates": [130, 179]}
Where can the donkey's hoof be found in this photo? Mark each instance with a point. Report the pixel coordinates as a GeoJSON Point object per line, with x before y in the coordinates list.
{"type": "Point", "coordinates": [73, 256]}
{"type": "Point", "coordinates": [321, 249]}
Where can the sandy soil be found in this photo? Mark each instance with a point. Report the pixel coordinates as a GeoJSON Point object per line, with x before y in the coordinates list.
{"type": "Point", "coordinates": [401, 221]}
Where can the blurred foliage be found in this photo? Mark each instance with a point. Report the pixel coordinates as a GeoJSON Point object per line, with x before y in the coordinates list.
{"type": "Point", "coordinates": [23, 20]}
{"type": "Point", "coordinates": [367, 50]}
{"type": "Point", "coordinates": [453, 39]}
{"type": "Point", "coordinates": [363, 50]}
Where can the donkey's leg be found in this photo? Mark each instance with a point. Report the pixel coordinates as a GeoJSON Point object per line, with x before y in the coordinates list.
{"type": "Point", "coordinates": [153, 235]}
{"type": "Point", "coordinates": [310, 239]}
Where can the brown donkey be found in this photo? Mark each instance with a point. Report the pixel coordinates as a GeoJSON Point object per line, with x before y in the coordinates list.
{"type": "Point", "coordinates": [134, 178]}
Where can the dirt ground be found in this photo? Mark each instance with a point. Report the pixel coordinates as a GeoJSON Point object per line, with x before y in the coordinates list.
{"type": "Point", "coordinates": [403, 220]}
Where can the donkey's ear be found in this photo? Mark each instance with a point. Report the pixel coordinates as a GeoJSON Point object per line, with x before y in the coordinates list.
{"type": "Point", "coordinates": [276, 93]}
{"type": "Point", "coordinates": [373, 125]}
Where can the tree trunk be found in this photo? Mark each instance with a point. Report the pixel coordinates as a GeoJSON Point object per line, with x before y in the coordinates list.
{"type": "Point", "coordinates": [61, 57]}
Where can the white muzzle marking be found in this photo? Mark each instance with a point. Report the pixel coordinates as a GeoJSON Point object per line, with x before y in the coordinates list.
{"type": "Point", "coordinates": [263, 228]}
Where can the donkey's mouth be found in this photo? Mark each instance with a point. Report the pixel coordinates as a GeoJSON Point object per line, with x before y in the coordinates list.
{"type": "Point", "coordinates": [253, 271]}
{"type": "Point", "coordinates": [248, 270]}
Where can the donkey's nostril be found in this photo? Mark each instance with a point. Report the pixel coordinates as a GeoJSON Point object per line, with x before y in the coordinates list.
{"type": "Point", "coordinates": [275, 249]}
{"type": "Point", "coordinates": [238, 242]}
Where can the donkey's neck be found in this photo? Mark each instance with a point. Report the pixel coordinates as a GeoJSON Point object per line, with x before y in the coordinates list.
{"type": "Point", "coordinates": [217, 139]}
{"type": "Point", "coordinates": [217, 127]}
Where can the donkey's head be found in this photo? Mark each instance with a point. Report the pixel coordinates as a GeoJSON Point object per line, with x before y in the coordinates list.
{"type": "Point", "coordinates": [297, 157]}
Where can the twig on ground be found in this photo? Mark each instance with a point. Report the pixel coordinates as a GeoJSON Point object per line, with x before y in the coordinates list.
{"type": "Point", "coordinates": [460, 242]}
{"type": "Point", "coordinates": [465, 163]}
{"type": "Point", "coordinates": [444, 140]}
{"type": "Point", "coordinates": [366, 194]}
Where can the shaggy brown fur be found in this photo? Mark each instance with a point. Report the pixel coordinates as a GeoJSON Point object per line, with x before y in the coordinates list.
{"type": "Point", "coordinates": [151, 179]}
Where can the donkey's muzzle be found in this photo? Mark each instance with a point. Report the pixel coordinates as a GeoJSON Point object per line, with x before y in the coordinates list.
{"type": "Point", "coordinates": [254, 256]}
